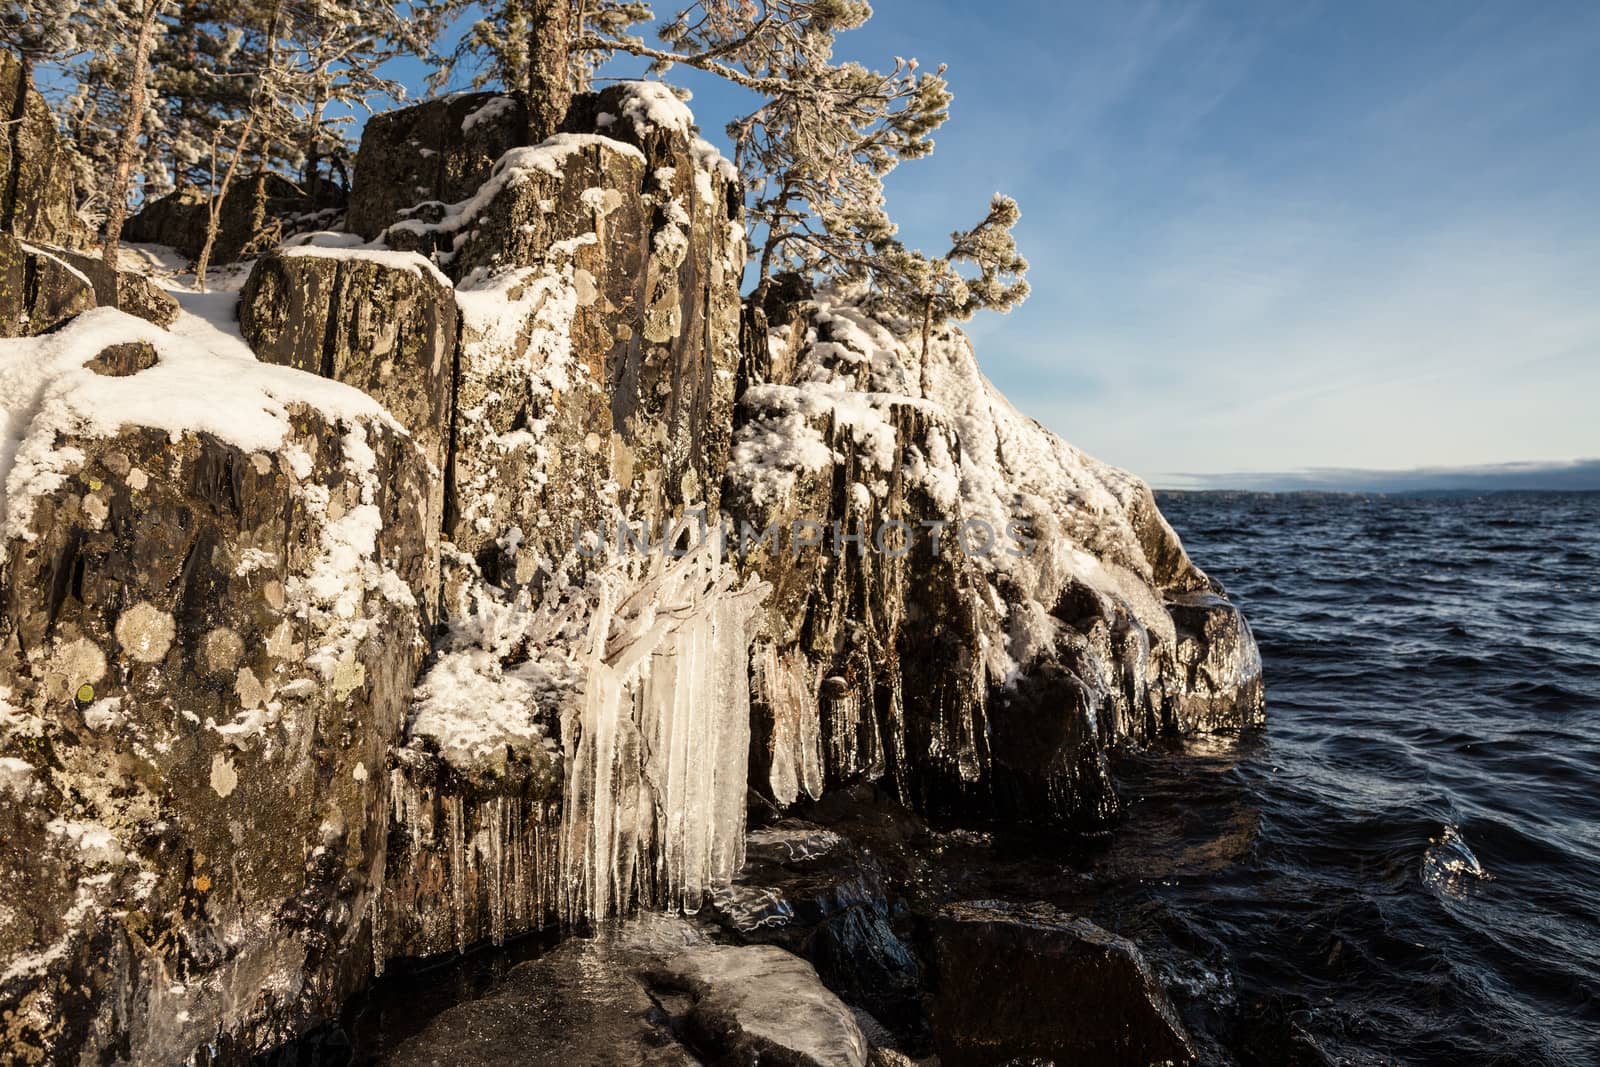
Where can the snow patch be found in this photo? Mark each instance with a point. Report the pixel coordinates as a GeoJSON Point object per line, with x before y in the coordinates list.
{"type": "Point", "coordinates": [205, 380]}
{"type": "Point", "coordinates": [490, 111]}
{"type": "Point", "coordinates": [548, 157]}
{"type": "Point", "coordinates": [654, 104]}
{"type": "Point", "coordinates": [411, 262]}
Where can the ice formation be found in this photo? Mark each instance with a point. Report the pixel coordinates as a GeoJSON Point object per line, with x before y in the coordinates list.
{"type": "Point", "coordinates": [656, 749]}
{"type": "Point", "coordinates": [642, 668]}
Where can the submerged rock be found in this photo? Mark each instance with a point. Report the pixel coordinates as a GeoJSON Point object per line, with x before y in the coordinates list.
{"type": "Point", "coordinates": [1027, 982]}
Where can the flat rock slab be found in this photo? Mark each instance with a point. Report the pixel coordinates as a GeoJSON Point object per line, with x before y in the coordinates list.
{"type": "Point", "coordinates": [1029, 982]}
{"type": "Point", "coordinates": [650, 991]}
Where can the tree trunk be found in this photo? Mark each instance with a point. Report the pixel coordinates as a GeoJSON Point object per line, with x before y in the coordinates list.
{"type": "Point", "coordinates": [550, 34]}
{"type": "Point", "coordinates": [927, 331]}
{"type": "Point", "coordinates": [313, 155]}
{"type": "Point", "coordinates": [117, 207]}
{"type": "Point", "coordinates": [19, 112]}
{"type": "Point", "coordinates": [218, 194]}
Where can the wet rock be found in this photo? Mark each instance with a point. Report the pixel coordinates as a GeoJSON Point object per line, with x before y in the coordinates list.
{"type": "Point", "coordinates": [206, 650]}
{"type": "Point", "coordinates": [469, 860]}
{"type": "Point", "coordinates": [649, 992]}
{"type": "Point", "coordinates": [260, 210]}
{"type": "Point", "coordinates": [382, 322]}
{"type": "Point", "coordinates": [759, 1004]}
{"type": "Point", "coordinates": [439, 151]}
{"type": "Point", "coordinates": [823, 897]}
{"type": "Point", "coordinates": [39, 290]}
{"type": "Point", "coordinates": [1022, 982]}
{"type": "Point", "coordinates": [1049, 757]}
{"type": "Point", "coordinates": [37, 199]}
{"type": "Point", "coordinates": [1223, 666]}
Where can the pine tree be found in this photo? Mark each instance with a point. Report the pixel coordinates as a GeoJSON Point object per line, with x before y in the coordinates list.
{"type": "Point", "coordinates": [939, 291]}
{"type": "Point", "coordinates": [549, 48]}
{"type": "Point", "coordinates": [335, 51]}
{"type": "Point", "coordinates": [146, 26]}
{"type": "Point", "coordinates": [40, 30]}
{"type": "Point", "coordinates": [551, 28]}
{"type": "Point", "coordinates": [253, 32]}
{"type": "Point", "coordinates": [815, 153]}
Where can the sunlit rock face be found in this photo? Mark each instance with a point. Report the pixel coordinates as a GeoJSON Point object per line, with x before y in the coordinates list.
{"type": "Point", "coordinates": [38, 290]}
{"type": "Point", "coordinates": [439, 152]}
{"type": "Point", "coordinates": [37, 199]}
{"type": "Point", "coordinates": [589, 383]}
{"type": "Point", "coordinates": [384, 323]}
{"type": "Point", "coordinates": [1040, 614]}
{"type": "Point", "coordinates": [598, 278]}
{"type": "Point", "coordinates": [209, 636]}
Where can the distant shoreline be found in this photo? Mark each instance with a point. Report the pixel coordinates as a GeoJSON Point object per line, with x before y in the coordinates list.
{"type": "Point", "coordinates": [1574, 476]}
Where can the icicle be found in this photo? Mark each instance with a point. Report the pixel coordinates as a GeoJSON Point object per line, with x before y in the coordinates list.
{"type": "Point", "coordinates": [494, 870]}
{"type": "Point", "coordinates": [519, 884]}
{"type": "Point", "coordinates": [786, 689]}
{"type": "Point", "coordinates": [397, 796]}
{"type": "Point", "coordinates": [378, 945]}
{"type": "Point", "coordinates": [657, 747]}
{"type": "Point", "coordinates": [458, 870]}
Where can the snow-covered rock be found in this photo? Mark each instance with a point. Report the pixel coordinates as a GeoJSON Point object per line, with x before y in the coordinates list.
{"type": "Point", "coordinates": [39, 290]}
{"type": "Point", "coordinates": [1041, 613]}
{"type": "Point", "coordinates": [310, 657]}
{"type": "Point", "coordinates": [209, 629]}
{"type": "Point", "coordinates": [383, 322]}
{"type": "Point", "coordinates": [439, 150]}
{"type": "Point", "coordinates": [598, 277]}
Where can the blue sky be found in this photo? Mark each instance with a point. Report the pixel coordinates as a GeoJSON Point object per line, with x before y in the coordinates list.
{"type": "Point", "coordinates": [1269, 236]}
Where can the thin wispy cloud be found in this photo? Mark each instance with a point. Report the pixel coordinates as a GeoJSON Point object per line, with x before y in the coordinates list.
{"type": "Point", "coordinates": [1267, 238]}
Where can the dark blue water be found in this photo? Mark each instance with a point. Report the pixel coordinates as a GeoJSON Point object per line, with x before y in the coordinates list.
{"type": "Point", "coordinates": [1405, 867]}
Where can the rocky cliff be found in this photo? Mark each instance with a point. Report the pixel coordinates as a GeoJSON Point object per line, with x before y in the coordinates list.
{"type": "Point", "coordinates": [318, 650]}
